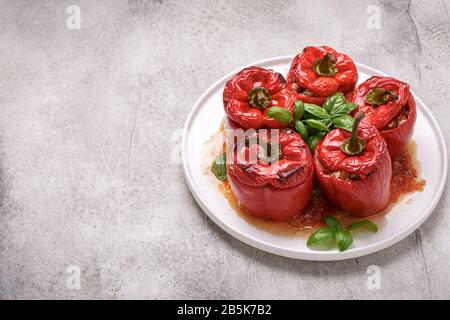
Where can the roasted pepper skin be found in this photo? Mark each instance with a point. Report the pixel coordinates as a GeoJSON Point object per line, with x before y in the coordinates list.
{"type": "Point", "coordinates": [381, 116]}
{"type": "Point", "coordinates": [302, 76]}
{"type": "Point", "coordinates": [276, 191]}
{"type": "Point", "coordinates": [236, 97]}
{"type": "Point", "coordinates": [366, 190]}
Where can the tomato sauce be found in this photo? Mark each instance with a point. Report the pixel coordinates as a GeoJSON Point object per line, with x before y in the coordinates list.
{"type": "Point", "coordinates": [405, 176]}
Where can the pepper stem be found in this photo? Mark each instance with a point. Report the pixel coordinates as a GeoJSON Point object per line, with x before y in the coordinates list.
{"type": "Point", "coordinates": [379, 96]}
{"type": "Point", "coordinates": [354, 146]}
{"type": "Point", "coordinates": [259, 98]}
{"type": "Point", "coordinates": [326, 66]}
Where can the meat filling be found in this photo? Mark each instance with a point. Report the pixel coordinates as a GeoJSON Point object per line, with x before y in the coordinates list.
{"type": "Point", "coordinates": [341, 174]}
{"type": "Point", "coordinates": [398, 120]}
{"type": "Point", "coordinates": [301, 90]}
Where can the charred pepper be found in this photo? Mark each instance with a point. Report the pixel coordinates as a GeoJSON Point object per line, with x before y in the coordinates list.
{"type": "Point", "coordinates": [354, 170]}
{"type": "Point", "coordinates": [391, 108]}
{"type": "Point", "coordinates": [319, 72]}
{"type": "Point", "coordinates": [252, 94]}
{"type": "Point", "coordinates": [274, 184]}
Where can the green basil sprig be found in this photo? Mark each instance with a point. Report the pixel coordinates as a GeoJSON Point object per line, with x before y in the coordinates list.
{"type": "Point", "coordinates": [281, 114]}
{"type": "Point", "coordinates": [363, 224]}
{"type": "Point", "coordinates": [335, 234]}
{"type": "Point", "coordinates": [284, 116]}
{"type": "Point", "coordinates": [219, 167]}
{"type": "Point", "coordinates": [318, 121]}
{"type": "Point", "coordinates": [301, 128]}
{"type": "Point", "coordinates": [314, 140]}
{"type": "Point", "coordinates": [299, 110]}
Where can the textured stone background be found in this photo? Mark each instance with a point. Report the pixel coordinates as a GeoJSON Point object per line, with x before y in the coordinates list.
{"type": "Point", "coordinates": [88, 118]}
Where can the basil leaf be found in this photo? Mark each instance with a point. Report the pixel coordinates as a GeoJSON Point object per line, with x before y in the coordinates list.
{"type": "Point", "coordinates": [364, 224]}
{"type": "Point", "coordinates": [328, 122]}
{"type": "Point", "coordinates": [317, 124]}
{"type": "Point", "coordinates": [320, 237]}
{"type": "Point", "coordinates": [344, 122]}
{"type": "Point", "coordinates": [280, 114]}
{"type": "Point", "coordinates": [219, 167]}
{"type": "Point", "coordinates": [334, 101]}
{"type": "Point", "coordinates": [315, 112]}
{"type": "Point", "coordinates": [342, 109]}
{"type": "Point", "coordinates": [311, 131]}
{"type": "Point", "coordinates": [343, 239]}
{"type": "Point", "coordinates": [333, 223]}
{"type": "Point", "coordinates": [314, 140]}
{"type": "Point", "coordinates": [299, 110]}
{"type": "Point", "coordinates": [301, 129]}
{"type": "Point", "coordinates": [321, 134]}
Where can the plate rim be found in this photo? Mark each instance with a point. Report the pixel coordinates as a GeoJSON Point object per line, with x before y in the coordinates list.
{"type": "Point", "coordinates": [313, 255]}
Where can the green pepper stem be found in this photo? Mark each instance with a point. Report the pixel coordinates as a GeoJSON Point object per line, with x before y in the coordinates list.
{"type": "Point", "coordinates": [354, 145]}
{"type": "Point", "coordinates": [354, 139]}
{"type": "Point", "coordinates": [259, 98]}
{"type": "Point", "coordinates": [326, 66]}
{"type": "Point", "coordinates": [379, 96]}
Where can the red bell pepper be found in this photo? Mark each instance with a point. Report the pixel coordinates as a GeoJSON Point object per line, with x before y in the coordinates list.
{"type": "Point", "coordinates": [319, 72]}
{"type": "Point", "coordinates": [354, 169]}
{"type": "Point", "coordinates": [248, 96]}
{"type": "Point", "coordinates": [276, 185]}
{"type": "Point", "coordinates": [390, 107]}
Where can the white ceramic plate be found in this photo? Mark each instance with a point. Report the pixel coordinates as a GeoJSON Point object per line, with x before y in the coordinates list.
{"type": "Point", "coordinates": [204, 120]}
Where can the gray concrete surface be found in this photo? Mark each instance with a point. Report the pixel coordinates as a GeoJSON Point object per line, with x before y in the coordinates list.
{"type": "Point", "coordinates": [89, 117]}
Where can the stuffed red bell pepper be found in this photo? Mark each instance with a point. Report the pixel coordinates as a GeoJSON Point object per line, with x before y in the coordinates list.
{"type": "Point", "coordinates": [271, 173]}
{"type": "Point", "coordinates": [354, 169]}
{"type": "Point", "coordinates": [250, 94]}
{"type": "Point", "coordinates": [319, 72]}
{"type": "Point", "coordinates": [391, 108]}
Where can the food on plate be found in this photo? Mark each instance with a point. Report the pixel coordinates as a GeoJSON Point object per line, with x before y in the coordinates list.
{"type": "Point", "coordinates": [334, 232]}
{"type": "Point", "coordinates": [258, 98]}
{"type": "Point", "coordinates": [314, 122]}
{"type": "Point", "coordinates": [390, 107]}
{"type": "Point", "coordinates": [354, 169]}
{"type": "Point", "coordinates": [270, 174]}
{"type": "Point", "coordinates": [314, 150]}
{"type": "Point", "coordinates": [319, 72]}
